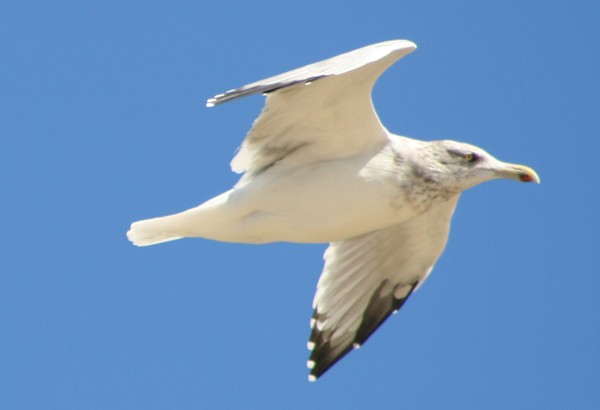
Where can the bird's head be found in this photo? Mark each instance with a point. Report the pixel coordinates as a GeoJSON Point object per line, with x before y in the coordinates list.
{"type": "Point", "coordinates": [464, 166]}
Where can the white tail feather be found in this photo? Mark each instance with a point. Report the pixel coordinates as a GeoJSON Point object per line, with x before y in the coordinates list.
{"type": "Point", "coordinates": [211, 220]}
{"type": "Point", "coordinates": [150, 232]}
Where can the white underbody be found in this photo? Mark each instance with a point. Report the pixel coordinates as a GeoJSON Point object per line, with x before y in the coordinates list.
{"type": "Point", "coordinates": [319, 202]}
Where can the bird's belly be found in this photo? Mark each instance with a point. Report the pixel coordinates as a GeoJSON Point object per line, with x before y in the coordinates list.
{"type": "Point", "coordinates": [320, 204]}
{"type": "Point", "coordinates": [313, 227]}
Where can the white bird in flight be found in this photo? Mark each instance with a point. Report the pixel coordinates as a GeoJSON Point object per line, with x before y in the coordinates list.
{"type": "Point", "coordinates": [318, 166]}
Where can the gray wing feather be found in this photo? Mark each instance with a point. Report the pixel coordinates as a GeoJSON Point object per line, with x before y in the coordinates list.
{"type": "Point", "coordinates": [334, 66]}
{"type": "Point", "coordinates": [316, 113]}
{"type": "Point", "coordinates": [354, 299]}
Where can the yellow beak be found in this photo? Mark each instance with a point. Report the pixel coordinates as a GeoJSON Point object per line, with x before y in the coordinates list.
{"type": "Point", "coordinates": [519, 172]}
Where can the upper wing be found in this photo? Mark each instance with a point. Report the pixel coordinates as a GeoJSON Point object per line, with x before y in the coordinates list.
{"type": "Point", "coordinates": [316, 112]}
{"type": "Point", "coordinates": [369, 277]}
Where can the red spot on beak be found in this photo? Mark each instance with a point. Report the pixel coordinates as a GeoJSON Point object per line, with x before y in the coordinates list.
{"type": "Point", "coordinates": [525, 178]}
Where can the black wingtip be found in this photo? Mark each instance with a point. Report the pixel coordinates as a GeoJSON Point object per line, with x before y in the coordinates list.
{"type": "Point", "coordinates": [324, 355]}
{"type": "Point", "coordinates": [378, 310]}
{"type": "Point", "coordinates": [321, 361]}
{"type": "Point", "coordinates": [258, 88]}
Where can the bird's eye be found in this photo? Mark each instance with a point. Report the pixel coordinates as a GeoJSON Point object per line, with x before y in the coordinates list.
{"type": "Point", "coordinates": [470, 157]}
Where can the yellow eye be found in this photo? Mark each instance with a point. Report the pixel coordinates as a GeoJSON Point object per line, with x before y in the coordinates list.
{"type": "Point", "coordinates": [470, 157]}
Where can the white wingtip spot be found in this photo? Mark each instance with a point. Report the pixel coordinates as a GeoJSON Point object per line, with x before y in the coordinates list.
{"type": "Point", "coordinates": [312, 323]}
{"type": "Point", "coordinates": [356, 345]}
{"type": "Point", "coordinates": [310, 346]}
{"type": "Point", "coordinates": [310, 364]}
{"type": "Point", "coordinates": [312, 378]}
{"type": "Point", "coordinates": [210, 103]}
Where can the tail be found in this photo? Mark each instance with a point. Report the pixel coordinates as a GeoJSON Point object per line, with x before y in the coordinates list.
{"type": "Point", "coordinates": [151, 232]}
{"type": "Point", "coordinates": [204, 221]}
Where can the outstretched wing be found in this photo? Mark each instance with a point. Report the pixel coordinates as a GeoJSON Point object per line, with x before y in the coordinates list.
{"type": "Point", "coordinates": [369, 277]}
{"type": "Point", "coordinates": [320, 111]}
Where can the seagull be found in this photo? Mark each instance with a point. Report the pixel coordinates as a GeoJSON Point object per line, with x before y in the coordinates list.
{"type": "Point", "coordinates": [319, 167]}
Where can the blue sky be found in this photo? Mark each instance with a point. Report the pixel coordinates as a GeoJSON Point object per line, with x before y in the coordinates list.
{"type": "Point", "coordinates": [103, 123]}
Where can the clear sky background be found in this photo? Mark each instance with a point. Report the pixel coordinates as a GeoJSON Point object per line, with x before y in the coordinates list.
{"type": "Point", "coordinates": [102, 123]}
